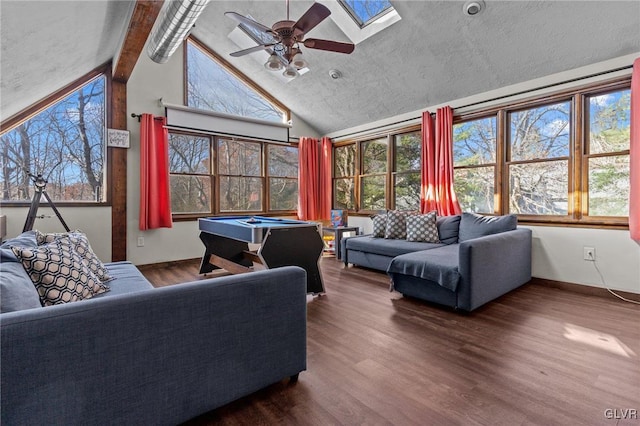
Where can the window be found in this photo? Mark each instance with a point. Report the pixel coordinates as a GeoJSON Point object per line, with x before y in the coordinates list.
{"type": "Point", "coordinates": [406, 177]}
{"type": "Point", "coordinates": [607, 153]}
{"type": "Point", "coordinates": [373, 177]}
{"type": "Point", "coordinates": [378, 174]}
{"type": "Point", "coordinates": [240, 173]}
{"type": "Point", "coordinates": [64, 142]}
{"type": "Point", "coordinates": [538, 162]}
{"type": "Point", "coordinates": [283, 177]}
{"type": "Point", "coordinates": [190, 173]}
{"type": "Point", "coordinates": [364, 12]}
{"type": "Point", "coordinates": [236, 176]}
{"type": "Point", "coordinates": [564, 159]}
{"type": "Point", "coordinates": [474, 161]}
{"type": "Point", "coordinates": [214, 87]}
{"type": "Point", "coordinates": [344, 177]}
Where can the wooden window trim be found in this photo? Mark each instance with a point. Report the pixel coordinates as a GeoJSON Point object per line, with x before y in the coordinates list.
{"type": "Point", "coordinates": [36, 108]}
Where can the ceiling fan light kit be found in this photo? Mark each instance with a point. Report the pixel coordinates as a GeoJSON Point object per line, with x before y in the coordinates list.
{"type": "Point", "coordinates": [273, 63]}
{"type": "Point", "coordinates": [288, 37]}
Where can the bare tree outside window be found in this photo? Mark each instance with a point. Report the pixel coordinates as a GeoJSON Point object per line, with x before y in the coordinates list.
{"type": "Point", "coordinates": [608, 154]}
{"type": "Point", "coordinates": [406, 178]}
{"type": "Point", "coordinates": [283, 177]}
{"type": "Point", "coordinates": [211, 87]}
{"type": "Point", "coordinates": [344, 170]}
{"type": "Point", "coordinates": [189, 169]}
{"type": "Point", "coordinates": [474, 161]}
{"type": "Point", "coordinates": [240, 174]}
{"type": "Point", "coordinates": [373, 177]}
{"type": "Point", "coordinates": [539, 160]}
{"type": "Point", "coordinates": [65, 143]}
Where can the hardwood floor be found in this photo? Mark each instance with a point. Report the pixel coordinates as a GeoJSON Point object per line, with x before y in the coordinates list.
{"type": "Point", "coordinates": [538, 355]}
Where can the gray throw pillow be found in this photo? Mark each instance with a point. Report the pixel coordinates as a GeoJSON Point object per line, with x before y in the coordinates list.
{"type": "Point", "coordinates": [474, 225]}
{"type": "Point", "coordinates": [396, 225]}
{"type": "Point", "coordinates": [17, 291]}
{"type": "Point", "coordinates": [448, 228]}
{"type": "Point", "coordinates": [379, 225]}
{"type": "Point", "coordinates": [422, 227]}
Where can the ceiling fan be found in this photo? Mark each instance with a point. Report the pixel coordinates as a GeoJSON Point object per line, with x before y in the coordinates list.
{"type": "Point", "coordinates": [285, 37]}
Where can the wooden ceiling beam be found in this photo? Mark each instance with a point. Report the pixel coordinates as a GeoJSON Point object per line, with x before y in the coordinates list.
{"type": "Point", "coordinates": [143, 17]}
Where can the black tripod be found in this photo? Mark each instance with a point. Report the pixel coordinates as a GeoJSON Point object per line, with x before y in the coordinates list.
{"type": "Point", "coordinates": [40, 183]}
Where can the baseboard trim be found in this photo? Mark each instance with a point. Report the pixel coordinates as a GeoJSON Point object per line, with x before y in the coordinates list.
{"type": "Point", "coordinates": [583, 288]}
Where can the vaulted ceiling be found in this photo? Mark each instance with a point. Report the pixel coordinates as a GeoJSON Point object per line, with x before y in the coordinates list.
{"type": "Point", "coordinates": [434, 54]}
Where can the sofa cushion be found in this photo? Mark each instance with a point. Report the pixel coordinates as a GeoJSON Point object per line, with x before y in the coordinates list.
{"type": "Point", "coordinates": [439, 265]}
{"type": "Point", "coordinates": [126, 279]}
{"type": "Point", "coordinates": [474, 226]}
{"type": "Point", "coordinates": [82, 247]}
{"type": "Point", "coordinates": [448, 228]}
{"type": "Point", "coordinates": [59, 273]}
{"type": "Point", "coordinates": [17, 291]}
{"type": "Point", "coordinates": [26, 239]}
{"type": "Point", "coordinates": [422, 227]}
{"type": "Point", "coordinates": [379, 225]}
{"type": "Point", "coordinates": [386, 247]}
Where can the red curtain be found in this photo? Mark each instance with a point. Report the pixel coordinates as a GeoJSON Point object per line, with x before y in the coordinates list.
{"type": "Point", "coordinates": [436, 188]}
{"type": "Point", "coordinates": [324, 207]}
{"type": "Point", "coordinates": [634, 154]}
{"type": "Point", "coordinates": [155, 199]}
{"type": "Point", "coordinates": [428, 172]}
{"type": "Point", "coordinates": [308, 182]}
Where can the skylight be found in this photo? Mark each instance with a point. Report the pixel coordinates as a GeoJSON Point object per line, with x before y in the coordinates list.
{"type": "Point", "coordinates": [364, 12]}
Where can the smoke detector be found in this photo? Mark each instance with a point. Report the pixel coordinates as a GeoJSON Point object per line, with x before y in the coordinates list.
{"type": "Point", "coordinates": [335, 74]}
{"type": "Point", "coordinates": [473, 7]}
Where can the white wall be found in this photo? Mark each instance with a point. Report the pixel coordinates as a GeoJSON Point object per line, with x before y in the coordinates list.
{"type": "Point", "coordinates": [94, 221]}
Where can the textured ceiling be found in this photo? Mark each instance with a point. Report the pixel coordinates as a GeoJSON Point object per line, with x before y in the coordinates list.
{"type": "Point", "coordinates": [46, 45]}
{"type": "Point", "coordinates": [435, 54]}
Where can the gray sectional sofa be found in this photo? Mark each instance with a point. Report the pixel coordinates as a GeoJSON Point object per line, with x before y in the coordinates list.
{"type": "Point", "coordinates": [143, 355]}
{"type": "Point", "coordinates": [478, 259]}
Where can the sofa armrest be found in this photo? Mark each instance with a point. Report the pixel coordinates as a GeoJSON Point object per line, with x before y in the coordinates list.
{"type": "Point", "coordinates": [159, 356]}
{"type": "Point", "coordinates": [493, 265]}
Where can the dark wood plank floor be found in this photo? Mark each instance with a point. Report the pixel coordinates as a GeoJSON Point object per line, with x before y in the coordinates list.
{"type": "Point", "coordinates": [539, 355]}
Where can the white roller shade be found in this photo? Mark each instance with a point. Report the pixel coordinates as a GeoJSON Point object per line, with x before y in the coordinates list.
{"type": "Point", "coordinates": [182, 117]}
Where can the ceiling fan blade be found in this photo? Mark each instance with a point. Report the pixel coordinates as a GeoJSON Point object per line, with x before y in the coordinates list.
{"type": "Point", "coordinates": [330, 45]}
{"type": "Point", "coordinates": [251, 50]}
{"type": "Point", "coordinates": [312, 17]}
{"type": "Point", "coordinates": [248, 22]}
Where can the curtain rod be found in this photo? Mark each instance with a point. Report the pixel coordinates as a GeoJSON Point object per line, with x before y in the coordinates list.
{"type": "Point", "coordinates": [497, 98]}
{"type": "Point", "coordinates": [139, 116]}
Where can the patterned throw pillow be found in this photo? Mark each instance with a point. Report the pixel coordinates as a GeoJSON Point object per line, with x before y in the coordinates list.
{"type": "Point", "coordinates": [422, 228]}
{"type": "Point", "coordinates": [59, 273]}
{"type": "Point", "coordinates": [379, 225]}
{"type": "Point", "coordinates": [396, 225]}
{"type": "Point", "coordinates": [81, 245]}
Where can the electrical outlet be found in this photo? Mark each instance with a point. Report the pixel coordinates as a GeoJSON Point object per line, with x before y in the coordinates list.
{"type": "Point", "coordinates": [589, 253]}
{"type": "Point", "coordinates": [141, 241]}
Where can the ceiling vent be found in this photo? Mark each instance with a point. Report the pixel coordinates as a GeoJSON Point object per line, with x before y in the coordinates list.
{"type": "Point", "coordinates": [473, 7]}
{"type": "Point", "coordinates": [173, 27]}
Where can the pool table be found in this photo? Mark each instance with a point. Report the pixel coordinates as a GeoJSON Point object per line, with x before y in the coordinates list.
{"type": "Point", "coordinates": [282, 242]}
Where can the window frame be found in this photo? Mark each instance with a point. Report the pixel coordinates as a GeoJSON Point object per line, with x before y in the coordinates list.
{"type": "Point", "coordinates": [389, 174]}
{"type": "Point", "coordinates": [33, 110]}
{"type": "Point", "coordinates": [578, 159]}
{"type": "Point", "coordinates": [215, 176]}
{"type": "Point", "coordinates": [231, 70]}
{"type": "Point", "coordinates": [499, 153]}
